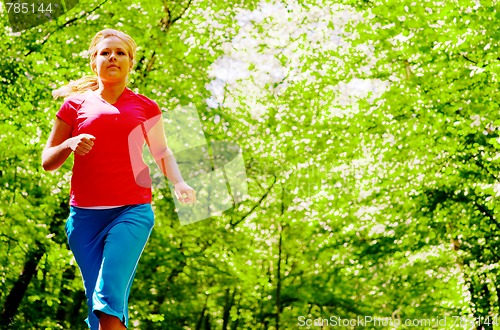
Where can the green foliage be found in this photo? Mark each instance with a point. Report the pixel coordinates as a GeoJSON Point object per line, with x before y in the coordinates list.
{"type": "Point", "coordinates": [370, 135]}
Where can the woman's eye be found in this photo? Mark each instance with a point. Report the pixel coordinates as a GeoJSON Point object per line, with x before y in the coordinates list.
{"type": "Point", "coordinates": [104, 53]}
{"type": "Point", "coordinates": [121, 53]}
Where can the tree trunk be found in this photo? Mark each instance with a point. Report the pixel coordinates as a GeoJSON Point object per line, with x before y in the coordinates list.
{"type": "Point", "coordinates": [20, 287]}
{"type": "Point", "coordinates": [201, 320]}
{"type": "Point", "coordinates": [278, 285]}
{"type": "Point", "coordinates": [227, 308]}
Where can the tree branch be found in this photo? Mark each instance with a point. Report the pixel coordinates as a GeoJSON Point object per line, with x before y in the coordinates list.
{"type": "Point", "coordinates": [468, 59]}
{"type": "Point", "coordinates": [74, 19]}
{"type": "Point", "coordinates": [234, 224]}
{"type": "Point", "coordinates": [168, 21]}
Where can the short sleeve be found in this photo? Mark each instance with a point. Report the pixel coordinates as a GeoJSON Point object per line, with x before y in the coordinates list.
{"type": "Point", "coordinates": [69, 111]}
{"type": "Point", "coordinates": [153, 109]}
{"type": "Point", "coordinates": [150, 107]}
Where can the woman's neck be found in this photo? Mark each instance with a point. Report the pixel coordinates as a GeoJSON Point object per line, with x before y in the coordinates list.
{"type": "Point", "coordinates": [110, 92]}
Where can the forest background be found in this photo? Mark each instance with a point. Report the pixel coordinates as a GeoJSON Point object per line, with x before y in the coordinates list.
{"type": "Point", "coordinates": [370, 136]}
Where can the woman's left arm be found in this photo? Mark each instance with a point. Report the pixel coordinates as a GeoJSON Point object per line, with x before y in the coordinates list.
{"type": "Point", "coordinates": [166, 162]}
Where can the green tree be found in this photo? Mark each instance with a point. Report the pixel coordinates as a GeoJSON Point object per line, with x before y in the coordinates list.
{"type": "Point", "coordinates": [436, 129]}
{"type": "Point", "coordinates": [369, 142]}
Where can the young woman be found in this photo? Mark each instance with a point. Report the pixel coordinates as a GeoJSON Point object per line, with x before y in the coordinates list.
{"type": "Point", "coordinates": [110, 200]}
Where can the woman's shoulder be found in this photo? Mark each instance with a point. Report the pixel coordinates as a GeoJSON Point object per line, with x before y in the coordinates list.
{"type": "Point", "coordinates": [75, 99]}
{"type": "Point", "coordinates": [150, 107]}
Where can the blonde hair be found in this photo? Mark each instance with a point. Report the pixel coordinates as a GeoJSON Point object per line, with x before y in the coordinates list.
{"type": "Point", "coordinates": [92, 82]}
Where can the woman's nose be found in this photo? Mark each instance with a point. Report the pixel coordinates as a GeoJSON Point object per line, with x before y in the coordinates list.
{"type": "Point", "coordinates": [112, 56]}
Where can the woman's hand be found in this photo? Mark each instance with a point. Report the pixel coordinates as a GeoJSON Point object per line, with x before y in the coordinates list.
{"type": "Point", "coordinates": [184, 193]}
{"type": "Point", "coordinates": [81, 144]}
{"type": "Point", "coordinates": [60, 145]}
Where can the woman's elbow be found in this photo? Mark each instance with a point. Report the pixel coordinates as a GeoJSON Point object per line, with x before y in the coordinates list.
{"type": "Point", "coordinates": [47, 165]}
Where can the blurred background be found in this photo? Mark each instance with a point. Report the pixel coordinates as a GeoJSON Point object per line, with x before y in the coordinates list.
{"type": "Point", "coordinates": [370, 137]}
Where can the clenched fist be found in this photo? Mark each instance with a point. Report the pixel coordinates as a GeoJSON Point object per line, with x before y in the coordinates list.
{"type": "Point", "coordinates": [81, 144]}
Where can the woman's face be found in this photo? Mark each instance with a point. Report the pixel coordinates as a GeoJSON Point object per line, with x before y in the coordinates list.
{"type": "Point", "coordinates": [112, 62]}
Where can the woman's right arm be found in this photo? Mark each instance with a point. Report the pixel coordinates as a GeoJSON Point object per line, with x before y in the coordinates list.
{"type": "Point", "coordinates": [60, 145]}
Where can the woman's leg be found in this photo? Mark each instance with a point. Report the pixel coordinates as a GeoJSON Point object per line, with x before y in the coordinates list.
{"type": "Point", "coordinates": [108, 322]}
{"type": "Point", "coordinates": [123, 246]}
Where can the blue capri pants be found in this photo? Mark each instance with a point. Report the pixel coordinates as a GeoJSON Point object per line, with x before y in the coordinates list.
{"type": "Point", "coordinates": [107, 245]}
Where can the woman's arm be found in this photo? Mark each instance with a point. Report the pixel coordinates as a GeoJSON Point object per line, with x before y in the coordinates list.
{"type": "Point", "coordinates": [60, 145]}
{"type": "Point", "coordinates": [162, 154]}
{"type": "Point", "coordinates": [165, 159]}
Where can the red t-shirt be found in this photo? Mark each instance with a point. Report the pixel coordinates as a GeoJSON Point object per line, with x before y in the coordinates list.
{"type": "Point", "coordinates": [104, 176]}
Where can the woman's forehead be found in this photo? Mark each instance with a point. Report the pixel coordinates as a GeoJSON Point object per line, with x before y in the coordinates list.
{"type": "Point", "coordinates": [112, 42]}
